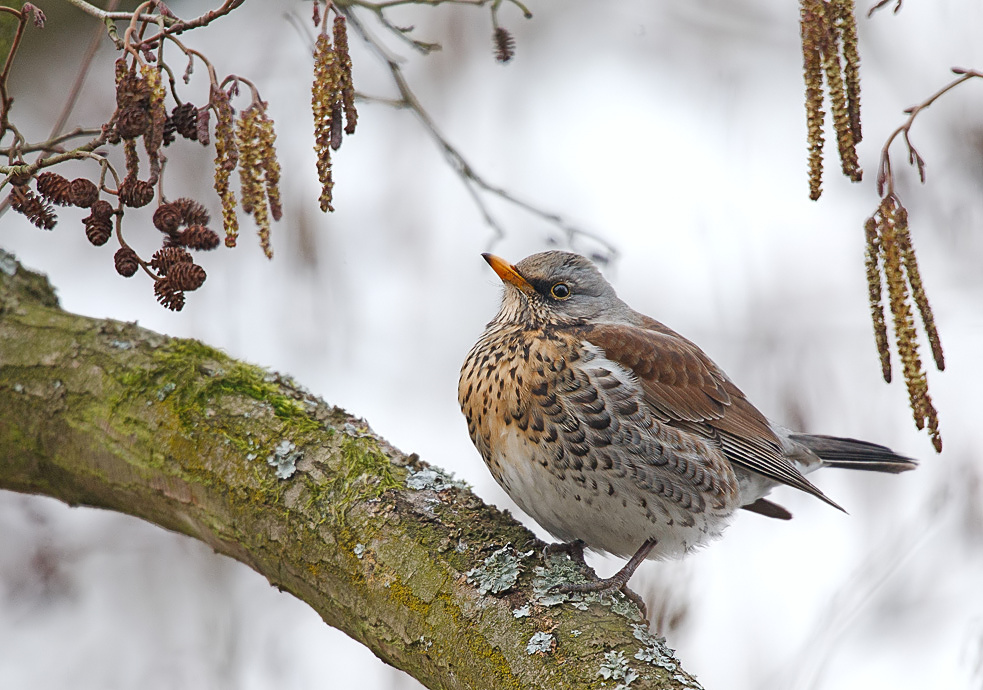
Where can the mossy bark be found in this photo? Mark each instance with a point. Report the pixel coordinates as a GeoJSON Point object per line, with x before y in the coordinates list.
{"type": "Point", "coordinates": [106, 414]}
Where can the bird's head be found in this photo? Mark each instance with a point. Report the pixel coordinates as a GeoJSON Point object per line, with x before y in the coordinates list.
{"type": "Point", "coordinates": [556, 287]}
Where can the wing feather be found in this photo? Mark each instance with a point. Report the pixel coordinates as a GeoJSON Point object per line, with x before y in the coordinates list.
{"type": "Point", "coordinates": [687, 390]}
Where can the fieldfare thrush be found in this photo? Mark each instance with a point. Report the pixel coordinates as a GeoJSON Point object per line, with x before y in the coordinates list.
{"type": "Point", "coordinates": [616, 433]}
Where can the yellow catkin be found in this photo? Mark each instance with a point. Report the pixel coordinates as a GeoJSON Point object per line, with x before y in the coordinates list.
{"type": "Point", "coordinates": [271, 167]}
{"type": "Point", "coordinates": [250, 140]}
{"type": "Point", "coordinates": [846, 21]}
{"type": "Point", "coordinates": [875, 294]}
{"type": "Point", "coordinates": [811, 12]}
{"type": "Point", "coordinates": [918, 290]}
{"type": "Point", "coordinates": [226, 160]}
{"type": "Point", "coordinates": [346, 85]}
{"type": "Point", "coordinates": [154, 136]}
{"type": "Point", "coordinates": [324, 92]}
{"type": "Point", "coordinates": [891, 223]}
{"type": "Point", "coordinates": [833, 68]}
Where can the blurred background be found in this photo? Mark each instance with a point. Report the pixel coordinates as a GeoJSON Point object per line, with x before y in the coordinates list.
{"type": "Point", "coordinates": [675, 131]}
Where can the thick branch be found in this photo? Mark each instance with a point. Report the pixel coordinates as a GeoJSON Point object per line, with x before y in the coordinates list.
{"type": "Point", "coordinates": [107, 414]}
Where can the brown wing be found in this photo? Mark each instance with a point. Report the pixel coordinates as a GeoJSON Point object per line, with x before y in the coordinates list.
{"type": "Point", "coordinates": [687, 390]}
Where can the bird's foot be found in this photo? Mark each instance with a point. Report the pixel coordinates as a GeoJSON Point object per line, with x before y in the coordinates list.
{"type": "Point", "coordinates": [574, 549]}
{"type": "Point", "coordinates": [617, 581]}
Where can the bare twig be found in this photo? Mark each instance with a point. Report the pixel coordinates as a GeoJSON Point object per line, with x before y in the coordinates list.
{"type": "Point", "coordinates": [884, 3]}
{"type": "Point", "coordinates": [474, 183]}
{"type": "Point", "coordinates": [885, 175]}
{"type": "Point", "coordinates": [83, 72]}
{"type": "Point", "coordinates": [5, 99]}
{"type": "Point", "coordinates": [54, 143]}
{"type": "Point", "coordinates": [108, 15]}
{"type": "Point", "coordinates": [26, 170]}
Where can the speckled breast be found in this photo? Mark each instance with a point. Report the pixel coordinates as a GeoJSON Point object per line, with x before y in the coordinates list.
{"type": "Point", "coordinates": [567, 434]}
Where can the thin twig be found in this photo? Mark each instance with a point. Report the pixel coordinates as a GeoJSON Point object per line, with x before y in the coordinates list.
{"type": "Point", "coordinates": [5, 100]}
{"type": "Point", "coordinates": [53, 144]}
{"type": "Point", "coordinates": [474, 183]}
{"type": "Point", "coordinates": [83, 72]}
{"type": "Point", "coordinates": [885, 175]}
{"type": "Point", "coordinates": [884, 3]}
{"type": "Point", "coordinates": [180, 25]}
{"type": "Point", "coordinates": [25, 170]}
{"type": "Point", "coordinates": [104, 15]}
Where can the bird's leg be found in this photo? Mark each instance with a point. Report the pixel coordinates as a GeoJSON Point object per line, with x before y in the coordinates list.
{"type": "Point", "coordinates": [617, 581]}
{"type": "Point", "coordinates": [574, 549]}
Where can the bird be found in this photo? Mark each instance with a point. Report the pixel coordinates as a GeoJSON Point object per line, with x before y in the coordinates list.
{"type": "Point", "coordinates": [617, 434]}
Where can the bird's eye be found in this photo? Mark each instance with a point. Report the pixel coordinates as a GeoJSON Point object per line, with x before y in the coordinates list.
{"type": "Point", "coordinates": [560, 290]}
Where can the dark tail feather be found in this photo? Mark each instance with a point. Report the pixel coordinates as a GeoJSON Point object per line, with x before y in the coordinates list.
{"type": "Point", "coordinates": [851, 454]}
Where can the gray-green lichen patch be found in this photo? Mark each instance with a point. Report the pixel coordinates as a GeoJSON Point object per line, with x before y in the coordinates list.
{"type": "Point", "coordinates": [559, 570]}
{"type": "Point", "coordinates": [657, 653]}
{"type": "Point", "coordinates": [165, 390]}
{"type": "Point", "coordinates": [615, 667]}
{"type": "Point", "coordinates": [499, 572]}
{"type": "Point", "coordinates": [359, 551]}
{"type": "Point", "coordinates": [522, 611]}
{"type": "Point", "coordinates": [624, 607]}
{"type": "Point", "coordinates": [434, 480]}
{"type": "Point", "coordinates": [285, 458]}
{"type": "Point", "coordinates": [540, 643]}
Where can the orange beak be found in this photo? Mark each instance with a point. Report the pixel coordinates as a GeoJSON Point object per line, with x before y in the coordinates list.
{"type": "Point", "coordinates": [507, 272]}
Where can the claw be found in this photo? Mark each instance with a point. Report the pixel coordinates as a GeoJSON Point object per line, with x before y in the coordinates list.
{"type": "Point", "coordinates": [617, 581]}
{"type": "Point", "coordinates": [574, 549]}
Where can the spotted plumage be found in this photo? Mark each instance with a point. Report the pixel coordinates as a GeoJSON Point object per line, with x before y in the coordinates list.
{"type": "Point", "coordinates": [608, 427]}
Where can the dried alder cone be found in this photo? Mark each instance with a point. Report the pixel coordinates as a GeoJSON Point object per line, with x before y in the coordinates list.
{"type": "Point", "coordinates": [891, 263]}
{"type": "Point", "coordinates": [831, 65]}
{"type": "Point", "coordinates": [36, 209]}
{"type": "Point", "coordinates": [141, 125]}
{"type": "Point", "coordinates": [504, 45]}
{"type": "Point", "coordinates": [127, 262]}
{"type": "Point", "coordinates": [332, 100]}
{"type": "Point", "coordinates": [99, 223]}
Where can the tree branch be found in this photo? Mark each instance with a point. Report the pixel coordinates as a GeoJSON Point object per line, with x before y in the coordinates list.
{"type": "Point", "coordinates": [397, 555]}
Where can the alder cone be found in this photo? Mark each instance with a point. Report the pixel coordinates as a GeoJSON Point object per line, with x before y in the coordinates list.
{"type": "Point", "coordinates": [198, 237]}
{"type": "Point", "coordinates": [166, 258]}
{"type": "Point", "coordinates": [126, 261]}
{"type": "Point", "coordinates": [83, 192]}
{"type": "Point", "coordinates": [186, 276]}
{"type": "Point", "coordinates": [98, 232]}
{"type": "Point", "coordinates": [132, 122]}
{"type": "Point", "coordinates": [167, 218]}
{"type": "Point", "coordinates": [136, 193]}
{"type": "Point", "coordinates": [55, 188]}
{"type": "Point", "coordinates": [168, 294]}
{"type": "Point", "coordinates": [185, 119]}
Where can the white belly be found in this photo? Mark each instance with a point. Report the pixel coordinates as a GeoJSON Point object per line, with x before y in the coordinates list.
{"type": "Point", "coordinates": [616, 522]}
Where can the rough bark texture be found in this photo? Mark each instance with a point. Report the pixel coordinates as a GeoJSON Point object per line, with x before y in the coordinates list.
{"type": "Point", "coordinates": [415, 567]}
